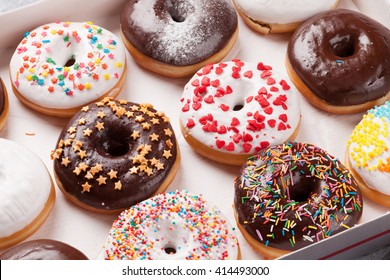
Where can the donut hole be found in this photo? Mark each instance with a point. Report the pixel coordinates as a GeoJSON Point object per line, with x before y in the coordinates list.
{"type": "Point", "coordinates": [304, 188]}
{"type": "Point", "coordinates": [178, 10]}
{"type": "Point", "coordinates": [238, 107]}
{"type": "Point", "coordinates": [114, 143]}
{"type": "Point", "coordinates": [342, 46]}
{"type": "Point", "coordinates": [70, 62]}
{"type": "Point", "coordinates": [169, 250]}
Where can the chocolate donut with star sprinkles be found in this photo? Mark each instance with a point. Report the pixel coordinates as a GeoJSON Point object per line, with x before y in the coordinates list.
{"type": "Point", "coordinates": [114, 154]}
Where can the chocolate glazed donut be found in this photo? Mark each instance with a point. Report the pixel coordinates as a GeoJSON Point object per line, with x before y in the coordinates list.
{"type": "Point", "coordinates": [292, 195]}
{"type": "Point", "coordinates": [3, 104]}
{"type": "Point", "coordinates": [114, 154]}
{"type": "Point", "coordinates": [343, 58]}
{"type": "Point", "coordinates": [43, 249]}
{"type": "Point", "coordinates": [2, 97]}
{"type": "Point", "coordinates": [209, 31]}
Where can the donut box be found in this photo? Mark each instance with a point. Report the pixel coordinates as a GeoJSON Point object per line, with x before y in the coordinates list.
{"type": "Point", "coordinates": [87, 231]}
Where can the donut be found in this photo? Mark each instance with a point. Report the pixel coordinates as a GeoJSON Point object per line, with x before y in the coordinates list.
{"type": "Point", "coordinates": [279, 16]}
{"type": "Point", "coordinates": [368, 154]}
{"type": "Point", "coordinates": [60, 67]}
{"type": "Point", "coordinates": [43, 249]}
{"type": "Point", "coordinates": [340, 61]}
{"type": "Point", "coordinates": [172, 226]}
{"type": "Point", "coordinates": [175, 38]}
{"type": "Point", "coordinates": [231, 110]}
{"type": "Point", "coordinates": [3, 104]}
{"type": "Point", "coordinates": [114, 154]}
{"type": "Point", "coordinates": [292, 195]}
{"type": "Point", "coordinates": [26, 191]}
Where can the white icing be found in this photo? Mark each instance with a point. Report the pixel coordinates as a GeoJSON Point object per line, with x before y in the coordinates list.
{"type": "Point", "coordinates": [374, 179]}
{"type": "Point", "coordinates": [24, 187]}
{"type": "Point", "coordinates": [243, 88]}
{"type": "Point", "coordinates": [176, 220]}
{"type": "Point", "coordinates": [47, 43]}
{"type": "Point", "coordinates": [283, 11]}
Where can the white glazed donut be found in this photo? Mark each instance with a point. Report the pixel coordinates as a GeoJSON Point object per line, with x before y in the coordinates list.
{"type": "Point", "coordinates": [232, 110]}
{"type": "Point", "coordinates": [369, 154]}
{"type": "Point", "coordinates": [279, 16]}
{"type": "Point", "coordinates": [26, 191]}
{"type": "Point", "coordinates": [59, 67]}
{"type": "Point", "coordinates": [172, 226]}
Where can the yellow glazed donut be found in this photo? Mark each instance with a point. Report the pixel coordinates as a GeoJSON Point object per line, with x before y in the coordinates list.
{"type": "Point", "coordinates": [59, 67]}
{"type": "Point", "coordinates": [26, 191]}
{"type": "Point", "coordinates": [368, 154]}
{"type": "Point", "coordinates": [172, 226]}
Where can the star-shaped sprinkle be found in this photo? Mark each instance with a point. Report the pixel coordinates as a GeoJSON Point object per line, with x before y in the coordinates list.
{"type": "Point", "coordinates": [87, 132]}
{"type": "Point", "coordinates": [167, 154]}
{"type": "Point", "coordinates": [101, 180]}
{"type": "Point", "coordinates": [135, 134]}
{"type": "Point", "coordinates": [82, 154]}
{"type": "Point", "coordinates": [89, 175]}
{"type": "Point", "coordinates": [118, 185]}
{"type": "Point", "coordinates": [99, 125]}
{"type": "Point", "coordinates": [129, 114]}
{"type": "Point", "coordinates": [139, 119]}
{"type": "Point", "coordinates": [122, 102]}
{"type": "Point", "coordinates": [146, 126]}
{"type": "Point", "coordinates": [168, 132]}
{"type": "Point", "coordinates": [169, 143]}
{"type": "Point", "coordinates": [101, 114]}
{"type": "Point", "coordinates": [71, 130]}
{"type": "Point", "coordinates": [96, 169]}
{"type": "Point", "coordinates": [85, 109]}
{"type": "Point", "coordinates": [82, 121]}
{"type": "Point", "coordinates": [112, 174]}
{"type": "Point", "coordinates": [134, 170]}
{"type": "Point", "coordinates": [159, 166]}
{"type": "Point", "coordinates": [134, 108]}
{"type": "Point", "coordinates": [65, 161]}
{"type": "Point", "coordinates": [77, 171]}
{"type": "Point", "coordinates": [83, 166]}
{"type": "Point", "coordinates": [68, 142]}
{"type": "Point", "coordinates": [149, 171]}
{"type": "Point", "coordinates": [86, 187]}
{"type": "Point", "coordinates": [155, 121]}
{"type": "Point", "coordinates": [153, 137]}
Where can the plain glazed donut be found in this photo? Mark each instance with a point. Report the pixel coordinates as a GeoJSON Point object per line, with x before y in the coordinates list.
{"type": "Point", "coordinates": [232, 110]}
{"type": "Point", "coordinates": [59, 67]}
{"type": "Point", "coordinates": [43, 249]}
{"type": "Point", "coordinates": [114, 154]}
{"type": "Point", "coordinates": [3, 104]}
{"type": "Point", "coordinates": [279, 16]}
{"type": "Point", "coordinates": [293, 195]}
{"type": "Point", "coordinates": [340, 61]}
{"type": "Point", "coordinates": [175, 38]}
{"type": "Point", "coordinates": [172, 226]}
{"type": "Point", "coordinates": [26, 191]}
{"type": "Point", "coordinates": [368, 154]}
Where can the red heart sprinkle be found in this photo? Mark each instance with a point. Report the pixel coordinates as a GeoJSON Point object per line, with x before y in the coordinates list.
{"type": "Point", "coordinates": [222, 129]}
{"type": "Point", "coordinates": [248, 74]}
{"type": "Point", "coordinates": [190, 123]}
{"type": "Point", "coordinates": [209, 99]}
{"type": "Point", "coordinates": [249, 99]}
{"type": "Point", "coordinates": [236, 75]}
{"type": "Point", "coordinates": [281, 126]}
{"type": "Point", "coordinates": [215, 83]}
{"type": "Point", "coordinates": [235, 122]}
{"type": "Point", "coordinates": [218, 70]}
{"type": "Point", "coordinates": [237, 137]}
{"type": "Point", "coordinates": [268, 110]}
{"type": "Point", "coordinates": [271, 123]}
{"type": "Point", "coordinates": [247, 137]}
{"type": "Point", "coordinates": [247, 147]}
{"type": "Point", "coordinates": [220, 143]}
{"type": "Point", "coordinates": [264, 144]}
{"type": "Point", "coordinates": [283, 117]}
{"type": "Point", "coordinates": [228, 90]}
{"type": "Point", "coordinates": [205, 81]}
{"type": "Point", "coordinates": [271, 81]}
{"type": "Point", "coordinates": [224, 107]}
{"type": "Point", "coordinates": [263, 90]}
{"type": "Point", "coordinates": [185, 108]}
{"type": "Point", "coordinates": [258, 117]}
{"type": "Point", "coordinates": [195, 83]}
{"type": "Point", "coordinates": [196, 106]}
{"type": "Point", "coordinates": [230, 147]}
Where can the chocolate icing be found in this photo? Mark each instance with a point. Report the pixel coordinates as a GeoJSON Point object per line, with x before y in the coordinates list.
{"type": "Point", "coordinates": [179, 32]}
{"type": "Point", "coordinates": [2, 96]}
{"type": "Point", "coordinates": [115, 147]}
{"type": "Point", "coordinates": [43, 249]}
{"type": "Point", "coordinates": [343, 57]}
{"type": "Point", "coordinates": [294, 194]}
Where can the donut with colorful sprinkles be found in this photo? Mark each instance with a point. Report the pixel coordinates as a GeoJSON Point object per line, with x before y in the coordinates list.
{"type": "Point", "coordinates": [368, 154]}
{"type": "Point", "coordinates": [114, 154]}
{"type": "Point", "coordinates": [293, 195]}
{"type": "Point", "coordinates": [172, 226]}
{"type": "Point", "coordinates": [231, 110]}
{"type": "Point", "coordinates": [59, 67]}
